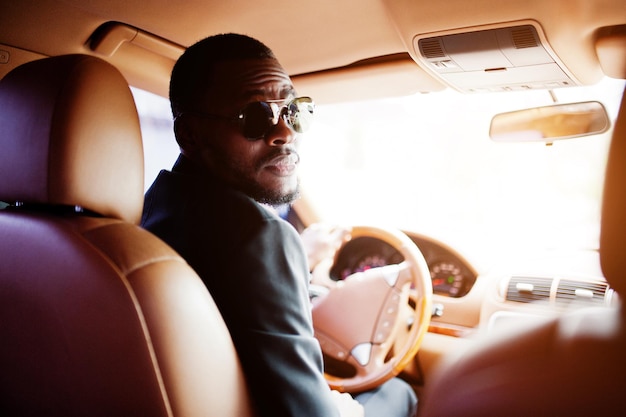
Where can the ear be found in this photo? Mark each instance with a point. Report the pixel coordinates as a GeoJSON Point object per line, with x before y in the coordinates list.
{"type": "Point", "coordinates": [188, 135]}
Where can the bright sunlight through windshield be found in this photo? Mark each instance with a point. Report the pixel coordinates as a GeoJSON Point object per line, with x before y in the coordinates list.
{"type": "Point", "coordinates": [426, 164]}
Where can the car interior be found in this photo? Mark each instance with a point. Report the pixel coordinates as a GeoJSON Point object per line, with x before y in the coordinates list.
{"type": "Point", "coordinates": [100, 317]}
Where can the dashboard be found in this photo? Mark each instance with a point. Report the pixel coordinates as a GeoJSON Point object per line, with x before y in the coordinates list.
{"type": "Point", "coordinates": [451, 274]}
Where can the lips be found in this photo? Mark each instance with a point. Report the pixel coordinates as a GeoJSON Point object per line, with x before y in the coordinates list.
{"type": "Point", "coordinates": [283, 164]}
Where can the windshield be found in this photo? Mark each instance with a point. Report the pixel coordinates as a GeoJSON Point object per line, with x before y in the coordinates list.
{"type": "Point", "coordinates": [425, 164]}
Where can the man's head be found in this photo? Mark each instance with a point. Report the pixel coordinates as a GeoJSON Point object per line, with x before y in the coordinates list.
{"type": "Point", "coordinates": [219, 87]}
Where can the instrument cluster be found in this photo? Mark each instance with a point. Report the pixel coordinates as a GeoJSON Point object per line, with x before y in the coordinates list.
{"type": "Point", "coordinates": [452, 276]}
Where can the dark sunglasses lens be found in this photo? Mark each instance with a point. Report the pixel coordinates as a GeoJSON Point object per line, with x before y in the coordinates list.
{"type": "Point", "coordinates": [257, 120]}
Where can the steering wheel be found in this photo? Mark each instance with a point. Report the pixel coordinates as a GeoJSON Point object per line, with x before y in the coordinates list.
{"type": "Point", "coordinates": [365, 323]}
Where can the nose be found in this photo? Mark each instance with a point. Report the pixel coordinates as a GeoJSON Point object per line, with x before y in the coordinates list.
{"type": "Point", "coordinates": [281, 134]}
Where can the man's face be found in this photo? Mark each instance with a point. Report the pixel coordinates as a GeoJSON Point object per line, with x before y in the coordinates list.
{"type": "Point", "coordinates": [264, 169]}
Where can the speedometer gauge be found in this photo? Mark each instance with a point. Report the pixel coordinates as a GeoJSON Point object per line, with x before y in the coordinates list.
{"type": "Point", "coordinates": [447, 278]}
{"type": "Point", "coordinates": [365, 263]}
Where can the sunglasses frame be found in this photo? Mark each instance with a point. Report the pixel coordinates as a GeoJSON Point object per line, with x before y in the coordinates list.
{"type": "Point", "coordinates": [273, 111]}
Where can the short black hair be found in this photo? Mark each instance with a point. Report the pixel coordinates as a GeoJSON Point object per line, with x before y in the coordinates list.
{"type": "Point", "coordinates": [193, 72]}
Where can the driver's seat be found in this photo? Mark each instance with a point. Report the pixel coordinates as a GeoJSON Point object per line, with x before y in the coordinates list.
{"type": "Point", "coordinates": [97, 316]}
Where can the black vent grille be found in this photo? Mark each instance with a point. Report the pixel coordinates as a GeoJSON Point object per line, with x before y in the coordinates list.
{"type": "Point", "coordinates": [578, 292]}
{"type": "Point", "coordinates": [529, 289]}
{"type": "Point", "coordinates": [431, 48]}
{"type": "Point", "coordinates": [524, 37]}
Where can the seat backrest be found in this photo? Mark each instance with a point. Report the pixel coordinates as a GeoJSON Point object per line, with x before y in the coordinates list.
{"type": "Point", "coordinates": [613, 229]}
{"type": "Point", "coordinates": [571, 366]}
{"type": "Point", "coordinates": [97, 316]}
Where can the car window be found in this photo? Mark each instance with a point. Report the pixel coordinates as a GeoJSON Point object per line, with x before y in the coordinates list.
{"type": "Point", "coordinates": [157, 129]}
{"type": "Point", "coordinates": [425, 163]}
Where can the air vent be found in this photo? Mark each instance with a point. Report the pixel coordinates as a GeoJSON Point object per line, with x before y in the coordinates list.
{"type": "Point", "coordinates": [524, 37]}
{"type": "Point", "coordinates": [577, 292]}
{"type": "Point", "coordinates": [529, 289]}
{"type": "Point", "coordinates": [431, 48]}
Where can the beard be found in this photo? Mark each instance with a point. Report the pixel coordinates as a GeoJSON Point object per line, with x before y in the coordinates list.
{"type": "Point", "coordinates": [269, 196]}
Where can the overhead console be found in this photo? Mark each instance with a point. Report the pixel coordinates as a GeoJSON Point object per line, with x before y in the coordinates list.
{"type": "Point", "coordinates": [504, 58]}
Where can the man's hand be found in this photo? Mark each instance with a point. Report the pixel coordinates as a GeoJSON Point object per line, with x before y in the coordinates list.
{"type": "Point", "coordinates": [348, 406]}
{"type": "Point", "coordinates": [321, 241]}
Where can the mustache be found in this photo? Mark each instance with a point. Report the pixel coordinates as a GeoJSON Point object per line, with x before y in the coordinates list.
{"type": "Point", "coordinates": [281, 154]}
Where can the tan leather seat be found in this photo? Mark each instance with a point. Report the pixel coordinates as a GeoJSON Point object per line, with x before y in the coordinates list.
{"type": "Point", "coordinates": [97, 316]}
{"type": "Point", "coordinates": [573, 366]}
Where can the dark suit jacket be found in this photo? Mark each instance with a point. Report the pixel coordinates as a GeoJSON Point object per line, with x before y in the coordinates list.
{"type": "Point", "coordinates": [255, 268]}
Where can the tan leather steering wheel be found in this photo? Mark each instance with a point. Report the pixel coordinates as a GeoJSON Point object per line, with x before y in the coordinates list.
{"type": "Point", "coordinates": [365, 322]}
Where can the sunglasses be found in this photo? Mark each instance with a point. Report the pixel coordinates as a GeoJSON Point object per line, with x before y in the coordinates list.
{"type": "Point", "coordinates": [257, 119]}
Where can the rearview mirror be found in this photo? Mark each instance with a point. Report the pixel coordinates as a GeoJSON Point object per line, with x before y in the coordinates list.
{"type": "Point", "coordinates": [550, 123]}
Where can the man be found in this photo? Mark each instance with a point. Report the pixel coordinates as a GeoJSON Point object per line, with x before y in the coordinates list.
{"type": "Point", "coordinates": [237, 120]}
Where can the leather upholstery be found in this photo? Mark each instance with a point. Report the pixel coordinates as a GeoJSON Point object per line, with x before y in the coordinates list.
{"type": "Point", "coordinates": [97, 316]}
{"type": "Point", "coordinates": [570, 366]}
{"type": "Point", "coordinates": [613, 231]}
{"type": "Point", "coordinates": [67, 130]}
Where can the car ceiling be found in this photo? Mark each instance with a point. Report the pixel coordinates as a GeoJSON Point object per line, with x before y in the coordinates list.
{"type": "Point", "coordinates": [364, 46]}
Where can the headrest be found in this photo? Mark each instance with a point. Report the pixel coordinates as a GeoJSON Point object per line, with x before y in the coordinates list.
{"type": "Point", "coordinates": [70, 136]}
{"type": "Point", "coordinates": [613, 229]}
